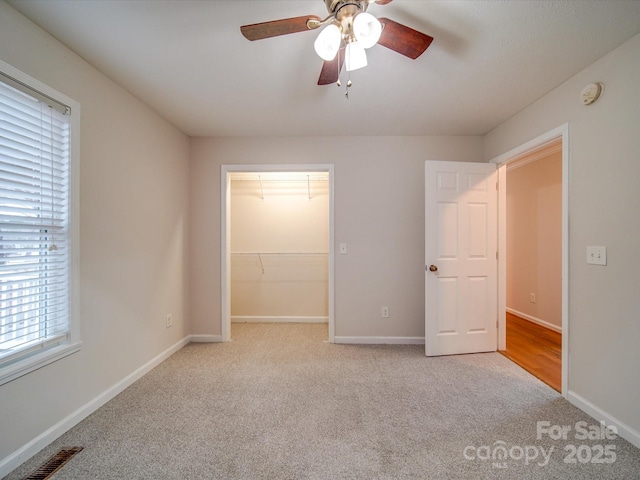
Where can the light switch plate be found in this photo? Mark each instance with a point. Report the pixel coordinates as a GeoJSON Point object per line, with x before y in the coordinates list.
{"type": "Point", "coordinates": [597, 255]}
{"type": "Point", "coordinates": [343, 249]}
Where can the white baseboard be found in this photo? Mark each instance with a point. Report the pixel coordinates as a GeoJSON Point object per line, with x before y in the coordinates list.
{"type": "Point", "coordinates": [625, 431]}
{"type": "Point", "coordinates": [379, 340]}
{"type": "Point", "coordinates": [205, 338]}
{"type": "Point", "coordinates": [533, 319]}
{"type": "Point", "coordinates": [17, 458]}
{"type": "Point", "coordinates": [275, 319]}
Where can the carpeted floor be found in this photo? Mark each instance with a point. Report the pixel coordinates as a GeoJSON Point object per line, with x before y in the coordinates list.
{"type": "Point", "coordinates": [278, 402]}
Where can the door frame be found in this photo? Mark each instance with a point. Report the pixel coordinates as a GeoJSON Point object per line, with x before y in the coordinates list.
{"type": "Point", "coordinates": [515, 154]}
{"type": "Point", "coordinates": [225, 235]}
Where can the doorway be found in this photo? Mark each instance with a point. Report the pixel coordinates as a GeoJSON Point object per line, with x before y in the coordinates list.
{"type": "Point", "coordinates": [277, 244]}
{"type": "Point", "coordinates": [534, 259]}
{"type": "Point", "coordinates": [536, 149]}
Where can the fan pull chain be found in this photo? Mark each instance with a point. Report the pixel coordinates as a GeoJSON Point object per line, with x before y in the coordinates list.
{"type": "Point", "coordinates": [338, 83]}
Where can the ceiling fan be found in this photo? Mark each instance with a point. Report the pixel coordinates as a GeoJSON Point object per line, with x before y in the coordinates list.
{"type": "Point", "coordinates": [349, 30]}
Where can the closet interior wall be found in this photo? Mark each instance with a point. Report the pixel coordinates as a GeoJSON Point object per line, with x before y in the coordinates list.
{"type": "Point", "coordinates": [279, 247]}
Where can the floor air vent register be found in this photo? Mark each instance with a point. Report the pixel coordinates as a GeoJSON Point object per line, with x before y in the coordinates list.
{"type": "Point", "coordinates": [54, 464]}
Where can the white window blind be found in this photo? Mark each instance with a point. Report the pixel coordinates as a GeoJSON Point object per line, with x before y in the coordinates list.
{"type": "Point", "coordinates": [34, 225]}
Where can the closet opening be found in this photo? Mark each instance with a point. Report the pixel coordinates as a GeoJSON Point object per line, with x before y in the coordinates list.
{"type": "Point", "coordinates": [277, 254]}
{"type": "Point", "coordinates": [533, 258]}
{"type": "Point", "coordinates": [534, 263]}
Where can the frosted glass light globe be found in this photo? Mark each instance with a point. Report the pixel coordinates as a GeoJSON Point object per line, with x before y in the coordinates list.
{"type": "Point", "coordinates": [367, 29]}
{"type": "Point", "coordinates": [328, 42]}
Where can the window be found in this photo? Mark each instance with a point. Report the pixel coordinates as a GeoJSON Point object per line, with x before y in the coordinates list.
{"type": "Point", "coordinates": [37, 238]}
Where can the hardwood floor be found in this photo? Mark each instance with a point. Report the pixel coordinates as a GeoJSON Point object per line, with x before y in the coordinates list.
{"type": "Point", "coordinates": [536, 349]}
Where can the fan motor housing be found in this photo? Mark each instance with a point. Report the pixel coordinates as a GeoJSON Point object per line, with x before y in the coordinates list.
{"type": "Point", "coordinates": [334, 5]}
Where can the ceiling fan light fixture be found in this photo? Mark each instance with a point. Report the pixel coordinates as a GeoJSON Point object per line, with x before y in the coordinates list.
{"type": "Point", "coordinates": [344, 34]}
{"type": "Point", "coordinates": [328, 42]}
{"type": "Point", "coordinates": [354, 56]}
{"type": "Point", "coordinates": [367, 29]}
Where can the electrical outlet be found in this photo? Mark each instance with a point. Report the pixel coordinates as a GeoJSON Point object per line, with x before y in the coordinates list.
{"type": "Point", "coordinates": [169, 320]}
{"type": "Point", "coordinates": [385, 312]}
{"type": "Point", "coordinates": [532, 297]}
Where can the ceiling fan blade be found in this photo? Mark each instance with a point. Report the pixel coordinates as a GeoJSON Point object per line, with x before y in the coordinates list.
{"type": "Point", "coordinates": [383, 2]}
{"type": "Point", "coordinates": [402, 39]}
{"type": "Point", "coordinates": [258, 31]}
{"type": "Point", "coordinates": [331, 69]}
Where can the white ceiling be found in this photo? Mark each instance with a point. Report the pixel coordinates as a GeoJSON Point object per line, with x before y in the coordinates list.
{"type": "Point", "coordinates": [188, 60]}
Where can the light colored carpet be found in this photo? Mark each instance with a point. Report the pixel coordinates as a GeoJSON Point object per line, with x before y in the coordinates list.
{"type": "Point", "coordinates": [278, 402]}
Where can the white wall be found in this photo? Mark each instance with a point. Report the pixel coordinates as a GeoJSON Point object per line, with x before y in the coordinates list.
{"type": "Point", "coordinates": [379, 213]}
{"type": "Point", "coordinates": [534, 240]}
{"type": "Point", "coordinates": [133, 214]}
{"type": "Point", "coordinates": [604, 194]}
{"type": "Point", "coordinates": [276, 216]}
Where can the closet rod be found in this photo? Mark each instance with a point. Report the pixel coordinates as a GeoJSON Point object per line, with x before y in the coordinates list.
{"type": "Point", "coordinates": [274, 254]}
{"type": "Point", "coordinates": [278, 253]}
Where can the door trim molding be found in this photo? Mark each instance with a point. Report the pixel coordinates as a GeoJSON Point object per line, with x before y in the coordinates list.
{"type": "Point", "coordinates": [225, 236]}
{"type": "Point", "coordinates": [513, 155]}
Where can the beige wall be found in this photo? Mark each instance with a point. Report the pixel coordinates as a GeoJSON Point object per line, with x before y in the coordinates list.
{"type": "Point", "coordinates": [534, 240]}
{"type": "Point", "coordinates": [604, 147]}
{"type": "Point", "coordinates": [379, 213]}
{"type": "Point", "coordinates": [133, 220]}
{"type": "Point", "coordinates": [277, 218]}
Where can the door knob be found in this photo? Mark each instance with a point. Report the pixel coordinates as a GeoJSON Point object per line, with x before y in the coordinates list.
{"type": "Point", "coordinates": [433, 268]}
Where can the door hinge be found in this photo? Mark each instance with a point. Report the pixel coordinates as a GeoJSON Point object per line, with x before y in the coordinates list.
{"type": "Point", "coordinates": [496, 185]}
{"type": "Point", "coordinates": [496, 255]}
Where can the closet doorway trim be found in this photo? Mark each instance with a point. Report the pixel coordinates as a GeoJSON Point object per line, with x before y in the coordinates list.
{"type": "Point", "coordinates": [225, 220]}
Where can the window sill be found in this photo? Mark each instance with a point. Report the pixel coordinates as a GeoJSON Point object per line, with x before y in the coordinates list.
{"type": "Point", "coordinates": [28, 365]}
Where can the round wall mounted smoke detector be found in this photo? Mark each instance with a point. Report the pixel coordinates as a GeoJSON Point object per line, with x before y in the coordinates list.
{"type": "Point", "coordinates": [591, 93]}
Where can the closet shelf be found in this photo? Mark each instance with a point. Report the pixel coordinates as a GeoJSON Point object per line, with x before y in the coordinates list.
{"type": "Point", "coordinates": [276, 254]}
{"type": "Point", "coordinates": [279, 253]}
{"type": "Point", "coordinates": [307, 178]}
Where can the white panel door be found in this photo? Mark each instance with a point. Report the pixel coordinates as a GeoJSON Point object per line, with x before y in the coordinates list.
{"type": "Point", "coordinates": [460, 250]}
